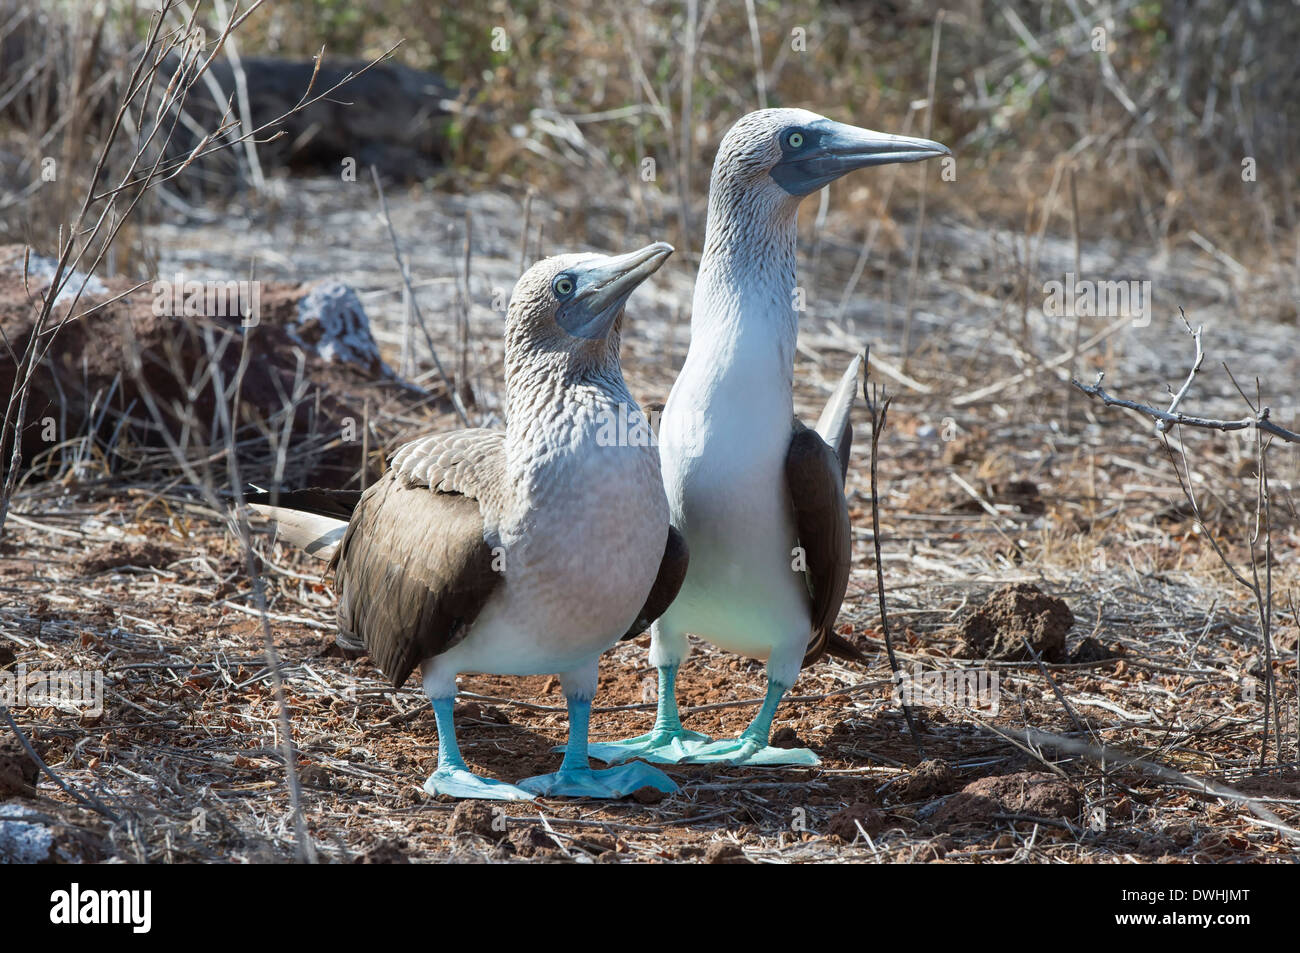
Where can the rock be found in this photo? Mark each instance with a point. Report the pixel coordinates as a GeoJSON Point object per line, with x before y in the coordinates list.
{"type": "Point", "coordinates": [18, 772]}
{"type": "Point", "coordinates": [997, 630]}
{"type": "Point", "coordinates": [723, 852]}
{"type": "Point", "coordinates": [1031, 793]}
{"type": "Point", "coordinates": [331, 322]}
{"type": "Point", "coordinates": [25, 837]}
{"type": "Point", "coordinates": [29, 836]}
{"type": "Point", "coordinates": [390, 116]}
{"type": "Point", "coordinates": [844, 824]}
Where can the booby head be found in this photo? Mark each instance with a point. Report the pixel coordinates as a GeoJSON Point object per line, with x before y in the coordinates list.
{"type": "Point", "coordinates": [570, 305]}
{"type": "Point", "coordinates": [785, 154]}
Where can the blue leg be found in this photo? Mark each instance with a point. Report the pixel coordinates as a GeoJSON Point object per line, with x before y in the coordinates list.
{"type": "Point", "coordinates": [752, 747]}
{"type": "Point", "coordinates": [576, 778]}
{"type": "Point", "coordinates": [667, 742]}
{"type": "Point", "coordinates": [453, 775]}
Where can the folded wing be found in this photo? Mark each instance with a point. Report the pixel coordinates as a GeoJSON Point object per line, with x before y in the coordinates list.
{"type": "Point", "coordinates": [416, 564]}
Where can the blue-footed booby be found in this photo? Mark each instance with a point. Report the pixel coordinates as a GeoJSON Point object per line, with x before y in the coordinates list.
{"type": "Point", "coordinates": [758, 497]}
{"type": "Point", "coordinates": [519, 552]}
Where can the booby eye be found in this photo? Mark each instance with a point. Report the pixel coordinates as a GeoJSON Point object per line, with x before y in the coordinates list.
{"type": "Point", "coordinates": [794, 139]}
{"type": "Point", "coordinates": [563, 286]}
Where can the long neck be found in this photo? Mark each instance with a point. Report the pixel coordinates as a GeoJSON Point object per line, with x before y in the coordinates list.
{"type": "Point", "coordinates": [553, 392]}
{"type": "Point", "coordinates": [743, 317]}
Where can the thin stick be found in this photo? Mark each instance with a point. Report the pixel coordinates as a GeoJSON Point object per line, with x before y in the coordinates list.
{"type": "Point", "coordinates": [684, 145]}
{"type": "Point", "coordinates": [755, 41]}
{"type": "Point", "coordinates": [923, 173]}
{"type": "Point", "coordinates": [1078, 317]}
{"type": "Point", "coordinates": [523, 234]}
{"type": "Point", "coordinates": [415, 307]}
{"type": "Point", "coordinates": [879, 409]}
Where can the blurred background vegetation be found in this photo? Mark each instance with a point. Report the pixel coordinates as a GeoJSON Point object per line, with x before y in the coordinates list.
{"type": "Point", "coordinates": [1154, 105]}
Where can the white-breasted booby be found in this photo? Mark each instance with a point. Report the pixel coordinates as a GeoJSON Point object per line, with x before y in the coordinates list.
{"type": "Point", "coordinates": [758, 497]}
{"type": "Point", "coordinates": [523, 552]}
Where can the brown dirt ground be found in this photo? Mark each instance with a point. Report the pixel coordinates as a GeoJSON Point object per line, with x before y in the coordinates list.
{"type": "Point", "coordinates": [186, 748]}
{"type": "Point", "coordinates": [980, 488]}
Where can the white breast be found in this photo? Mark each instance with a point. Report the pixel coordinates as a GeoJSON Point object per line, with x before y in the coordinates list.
{"type": "Point", "coordinates": [724, 437]}
{"type": "Point", "coordinates": [579, 558]}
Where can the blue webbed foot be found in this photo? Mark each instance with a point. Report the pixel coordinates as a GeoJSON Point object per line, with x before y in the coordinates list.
{"type": "Point", "coordinates": [608, 783]}
{"type": "Point", "coordinates": [749, 751]}
{"type": "Point", "coordinates": [661, 747]}
{"type": "Point", "coordinates": [462, 783]}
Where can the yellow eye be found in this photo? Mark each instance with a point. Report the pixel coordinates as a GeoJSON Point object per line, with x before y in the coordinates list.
{"type": "Point", "coordinates": [794, 140]}
{"type": "Point", "coordinates": [563, 286]}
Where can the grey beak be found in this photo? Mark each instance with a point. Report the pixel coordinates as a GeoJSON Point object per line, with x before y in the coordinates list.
{"type": "Point", "coordinates": [835, 149]}
{"type": "Point", "coordinates": [603, 289]}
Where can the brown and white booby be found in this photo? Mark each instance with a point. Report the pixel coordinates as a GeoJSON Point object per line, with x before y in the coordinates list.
{"type": "Point", "coordinates": [523, 552]}
{"type": "Point", "coordinates": [758, 497]}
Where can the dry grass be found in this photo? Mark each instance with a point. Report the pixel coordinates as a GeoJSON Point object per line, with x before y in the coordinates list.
{"type": "Point", "coordinates": [189, 728]}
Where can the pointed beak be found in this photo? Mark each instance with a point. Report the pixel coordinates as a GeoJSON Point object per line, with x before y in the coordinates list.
{"type": "Point", "coordinates": [603, 290]}
{"type": "Point", "coordinates": [835, 149]}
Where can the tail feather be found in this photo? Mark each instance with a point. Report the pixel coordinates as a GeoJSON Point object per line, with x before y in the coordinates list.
{"type": "Point", "coordinates": [316, 535]}
{"type": "Point", "coordinates": [833, 425]}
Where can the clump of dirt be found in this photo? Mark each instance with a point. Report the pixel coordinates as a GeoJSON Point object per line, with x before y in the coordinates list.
{"type": "Point", "coordinates": [385, 852]}
{"type": "Point", "coordinates": [722, 852]}
{"type": "Point", "coordinates": [7, 656]}
{"type": "Point", "coordinates": [928, 780]}
{"type": "Point", "coordinates": [1014, 614]}
{"type": "Point", "coordinates": [143, 555]}
{"type": "Point", "coordinates": [844, 824]}
{"type": "Point", "coordinates": [786, 737]}
{"type": "Point", "coordinates": [315, 776]}
{"type": "Point", "coordinates": [527, 841]}
{"type": "Point", "coordinates": [648, 795]}
{"type": "Point", "coordinates": [1031, 793]}
{"type": "Point", "coordinates": [127, 342]}
{"type": "Point", "coordinates": [18, 772]}
{"type": "Point", "coordinates": [474, 817]}
{"type": "Point", "coordinates": [1091, 650]}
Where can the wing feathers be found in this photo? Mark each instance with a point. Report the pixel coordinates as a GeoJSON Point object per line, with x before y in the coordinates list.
{"type": "Point", "coordinates": [316, 535]}
{"type": "Point", "coordinates": [821, 516]}
{"type": "Point", "coordinates": [413, 573]}
{"type": "Point", "coordinates": [833, 424]}
{"type": "Point", "coordinates": [672, 573]}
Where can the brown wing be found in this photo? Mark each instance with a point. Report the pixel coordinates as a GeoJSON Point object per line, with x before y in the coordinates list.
{"type": "Point", "coordinates": [821, 516]}
{"type": "Point", "coordinates": [470, 462]}
{"type": "Point", "coordinates": [415, 567]}
{"type": "Point", "coordinates": [672, 573]}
